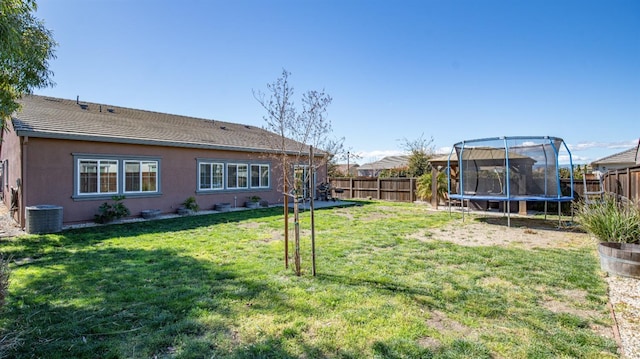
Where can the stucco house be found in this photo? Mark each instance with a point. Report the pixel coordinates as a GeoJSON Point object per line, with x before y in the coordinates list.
{"type": "Point", "coordinates": [78, 155]}
{"type": "Point", "coordinates": [624, 159]}
{"type": "Point", "coordinates": [373, 169]}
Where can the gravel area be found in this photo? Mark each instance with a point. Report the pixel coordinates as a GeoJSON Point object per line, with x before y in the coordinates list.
{"type": "Point", "coordinates": [624, 296]}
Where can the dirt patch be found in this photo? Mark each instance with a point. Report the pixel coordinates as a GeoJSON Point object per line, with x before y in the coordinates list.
{"type": "Point", "coordinates": [447, 326]}
{"type": "Point", "coordinates": [249, 225]}
{"type": "Point", "coordinates": [524, 233]}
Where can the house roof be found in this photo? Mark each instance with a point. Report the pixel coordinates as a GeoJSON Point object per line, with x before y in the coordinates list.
{"type": "Point", "coordinates": [386, 163]}
{"type": "Point", "coordinates": [68, 119]}
{"type": "Point", "coordinates": [624, 157]}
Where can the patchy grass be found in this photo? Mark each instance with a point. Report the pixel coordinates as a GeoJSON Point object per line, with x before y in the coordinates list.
{"type": "Point", "coordinates": [215, 286]}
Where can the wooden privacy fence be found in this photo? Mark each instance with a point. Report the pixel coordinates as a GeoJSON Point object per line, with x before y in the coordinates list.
{"type": "Point", "coordinates": [388, 189]}
{"type": "Point", "coordinates": [404, 189]}
{"type": "Point", "coordinates": [623, 182]}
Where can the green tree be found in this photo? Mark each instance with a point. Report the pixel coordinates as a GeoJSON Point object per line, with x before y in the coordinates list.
{"type": "Point", "coordinates": [420, 151]}
{"type": "Point", "coordinates": [26, 46]}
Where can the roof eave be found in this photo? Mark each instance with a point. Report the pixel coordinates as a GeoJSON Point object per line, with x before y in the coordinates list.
{"type": "Point", "coordinates": [149, 142]}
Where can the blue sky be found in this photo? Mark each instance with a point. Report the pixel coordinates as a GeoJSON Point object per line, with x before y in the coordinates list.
{"type": "Point", "coordinates": [453, 70]}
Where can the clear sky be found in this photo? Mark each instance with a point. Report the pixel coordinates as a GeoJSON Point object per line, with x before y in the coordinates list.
{"type": "Point", "coordinates": [453, 70]}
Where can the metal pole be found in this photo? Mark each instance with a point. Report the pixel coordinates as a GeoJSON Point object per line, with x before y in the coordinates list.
{"type": "Point", "coordinates": [313, 225]}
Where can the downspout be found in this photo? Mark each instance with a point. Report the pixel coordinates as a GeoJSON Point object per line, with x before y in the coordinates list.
{"type": "Point", "coordinates": [20, 181]}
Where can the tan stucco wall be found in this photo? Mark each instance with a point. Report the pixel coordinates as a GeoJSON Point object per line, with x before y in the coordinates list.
{"type": "Point", "coordinates": [10, 152]}
{"type": "Point", "coordinates": [49, 177]}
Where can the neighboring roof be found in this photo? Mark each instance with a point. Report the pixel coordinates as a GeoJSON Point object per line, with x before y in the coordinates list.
{"type": "Point", "coordinates": [68, 119]}
{"type": "Point", "coordinates": [342, 168]}
{"type": "Point", "coordinates": [386, 163]}
{"type": "Point", "coordinates": [624, 157]}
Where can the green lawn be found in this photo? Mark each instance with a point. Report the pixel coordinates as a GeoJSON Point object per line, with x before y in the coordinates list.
{"type": "Point", "coordinates": [215, 286]}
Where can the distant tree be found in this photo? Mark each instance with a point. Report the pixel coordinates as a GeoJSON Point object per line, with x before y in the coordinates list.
{"type": "Point", "coordinates": [26, 46]}
{"type": "Point", "coordinates": [420, 151]}
{"type": "Point", "coordinates": [394, 172]}
{"type": "Point", "coordinates": [578, 172]}
{"type": "Point", "coordinates": [297, 130]}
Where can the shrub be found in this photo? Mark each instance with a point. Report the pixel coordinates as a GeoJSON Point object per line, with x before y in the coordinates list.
{"type": "Point", "coordinates": [424, 186]}
{"type": "Point", "coordinates": [107, 212]}
{"type": "Point", "coordinates": [191, 204]}
{"type": "Point", "coordinates": [610, 220]}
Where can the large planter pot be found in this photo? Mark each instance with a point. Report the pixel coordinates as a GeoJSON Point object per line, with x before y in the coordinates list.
{"type": "Point", "coordinates": [252, 204]}
{"type": "Point", "coordinates": [620, 258]}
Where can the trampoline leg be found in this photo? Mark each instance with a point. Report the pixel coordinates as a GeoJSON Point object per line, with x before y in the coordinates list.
{"type": "Point", "coordinates": [559, 213]}
{"type": "Point", "coordinates": [545, 210]}
{"type": "Point", "coordinates": [462, 208]}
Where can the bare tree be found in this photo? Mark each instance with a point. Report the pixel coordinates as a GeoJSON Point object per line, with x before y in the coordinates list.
{"type": "Point", "coordinates": [298, 132]}
{"type": "Point", "coordinates": [420, 151]}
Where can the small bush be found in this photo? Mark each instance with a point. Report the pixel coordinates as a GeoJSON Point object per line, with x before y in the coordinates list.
{"type": "Point", "coordinates": [611, 220]}
{"type": "Point", "coordinates": [191, 204]}
{"type": "Point", "coordinates": [107, 212]}
{"type": "Point", "coordinates": [424, 186]}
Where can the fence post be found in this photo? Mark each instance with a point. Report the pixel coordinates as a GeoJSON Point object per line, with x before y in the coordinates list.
{"type": "Point", "coordinates": [412, 183]}
{"type": "Point", "coordinates": [628, 190]}
{"type": "Point", "coordinates": [379, 188]}
{"type": "Point", "coordinates": [434, 187]}
{"type": "Point", "coordinates": [350, 187]}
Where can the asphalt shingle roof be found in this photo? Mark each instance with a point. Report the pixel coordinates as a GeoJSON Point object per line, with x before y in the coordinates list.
{"type": "Point", "coordinates": [386, 163]}
{"type": "Point", "coordinates": [67, 119]}
{"type": "Point", "coordinates": [626, 156]}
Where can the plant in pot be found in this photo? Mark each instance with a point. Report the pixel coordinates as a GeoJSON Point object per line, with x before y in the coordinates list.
{"type": "Point", "coordinates": [108, 212]}
{"type": "Point", "coordinates": [253, 202]}
{"type": "Point", "coordinates": [189, 206]}
{"type": "Point", "coordinates": [615, 222]}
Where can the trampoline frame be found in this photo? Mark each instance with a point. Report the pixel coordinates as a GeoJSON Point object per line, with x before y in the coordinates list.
{"type": "Point", "coordinates": [508, 197]}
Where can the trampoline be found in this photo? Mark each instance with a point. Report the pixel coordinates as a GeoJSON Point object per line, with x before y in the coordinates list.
{"type": "Point", "coordinates": [509, 169]}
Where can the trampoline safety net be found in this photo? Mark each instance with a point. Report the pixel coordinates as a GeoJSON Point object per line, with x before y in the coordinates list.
{"type": "Point", "coordinates": [509, 169]}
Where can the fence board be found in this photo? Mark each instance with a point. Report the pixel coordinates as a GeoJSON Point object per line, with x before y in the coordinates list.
{"type": "Point", "coordinates": [404, 189]}
{"type": "Point", "coordinates": [624, 182]}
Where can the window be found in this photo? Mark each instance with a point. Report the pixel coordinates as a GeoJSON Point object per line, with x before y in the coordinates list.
{"type": "Point", "coordinates": [105, 175]}
{"type": "Point", "coordinates": [237, 175]}
{"type": "Point", "coordinates": [259, 176]}
{"type": "Point", "coordinates": [140, 176]}
{"type": "Point", "coordinates": [97, 176]}
{"type": "Point", "coordinates": [211, 176]}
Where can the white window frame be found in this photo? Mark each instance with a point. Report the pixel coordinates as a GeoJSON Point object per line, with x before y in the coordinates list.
{"type": "Point", "coordinates": [120, 175]}
{"type": "Point", "coordinates": [98, 162]}
{"type": "Point", "coordinates": [261, 167]}
{"type": "Point", "coordinates": [237, 177]}
{"type": "Point", "coordinates": [141, 178]}
{"type": "Point", "coordinates": [213, 185]}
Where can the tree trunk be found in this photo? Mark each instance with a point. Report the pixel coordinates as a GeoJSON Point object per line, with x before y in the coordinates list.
{"type": "Point", "coordinates": [296, 236]}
